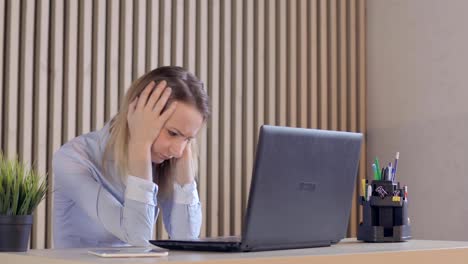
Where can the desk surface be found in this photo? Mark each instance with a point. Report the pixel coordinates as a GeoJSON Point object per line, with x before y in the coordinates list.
{"type": "Point", "coordinates": [347, 251]}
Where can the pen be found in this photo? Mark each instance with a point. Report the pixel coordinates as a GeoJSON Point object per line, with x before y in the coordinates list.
{"type": "Point", "coordinates": [389, 174]}
{"type": "Point", "coordinates": [369, 192]}
{"type": "Point", "coordinates": [378, 168]}
{"type": "Point", "coordinates": [397, 156]}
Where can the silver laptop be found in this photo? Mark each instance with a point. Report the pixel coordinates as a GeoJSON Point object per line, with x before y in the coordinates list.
{"type": "Point", "coordinates": [300, 195]}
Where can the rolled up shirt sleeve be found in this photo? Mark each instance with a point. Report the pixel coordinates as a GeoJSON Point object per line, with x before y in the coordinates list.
{"type": "Point", "coordinates": [182, 214]}
{"type": "Point", "coordinates": [140, 190]}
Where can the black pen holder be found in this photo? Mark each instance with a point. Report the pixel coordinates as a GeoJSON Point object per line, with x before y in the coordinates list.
{"type": "Point", "coordinates": [385, 214]}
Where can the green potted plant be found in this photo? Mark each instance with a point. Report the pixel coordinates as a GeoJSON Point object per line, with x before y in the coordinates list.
{"type": "Point", "coordinates": [21, 191]}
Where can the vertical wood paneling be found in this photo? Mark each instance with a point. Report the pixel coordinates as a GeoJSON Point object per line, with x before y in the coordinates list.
{"type": "Point", "coordinates": [259, 68]}
{"type": "Point", "coordinates": [11, 79]}
{"type": "Point", "coordinates": [67, 64]}
{"type": "Point", "coordinates": [26, 81]}
{"type": "Point", "coordinates": [177, 46]}
{"type": "Point", "coordinates": [153, 35]}
{"type": "Point", "coordinates": [313, 62]}
{"type": "Point", "coordinates": [352, 105]}
{"type": "Point", "coordinates": [84, 66]}
{"type": "Point", "coordinates": [70, 69]}
{"type": "Point", "coordinates": [98, 73]}
{"type": "Point", "coordinates": [2, 45]}
{"type": "Point", "coordinates": [333, 66]}
{"type": "Point", "coordinates": [125, 47]}
{"type": "Point", "coordinates": [225, 119]}
{"type": "Point", "coordinates": [41, 78]}
{"type": "Point", "coordinates": [55, 104]}
{"type": "Point", "coordinates": [291, 62]}
{"type": "Point", "coordinates": [165, 24]}
{"type": "Point", "coordinates": [112, 59]}
{"type": "Point", "coordinates": [270, 63]}
{"type": "Point", "coordinates": [139, 37]}
{"type": "Point", "coordinates": [236, 125]}
{"type": "Point", "coordinates": [361, 16]}
{"type": "Point", "coordinates": [190, 22]}
{"type": "Point", "coordinates": [303, 49]}
{"type": "Point", "coordinates": [247, 101]}
{"type": "Point", "coordinates": [323, 64]}
{"type": "Point", "coordinates": [281, 67]}
{"type": "Point", "coordinates": [343, 65]}
{"type": "Point", "coordinates": [352, 121]}
{"type": "Point", "coordinates": [201, 70]}
{"type": "Point", "coordinates": [213, 124]}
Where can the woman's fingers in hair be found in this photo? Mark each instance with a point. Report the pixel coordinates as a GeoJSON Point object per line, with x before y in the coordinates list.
{"type": "Point", "coordinates": [169, 111]}
{"type": "Point", "coordinates": [132, 105]}
{"type": "Point", "coordinates": [161, 103]}
{"type": "Point", "coordinates": [144, 95]}
{"type": "Point", "coordinates": [154, 97]}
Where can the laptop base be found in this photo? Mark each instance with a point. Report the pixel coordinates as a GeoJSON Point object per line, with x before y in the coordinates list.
{"type": "Point", "coordinates": [228, 246]}
{"type": "Point", "coordinates": [220, 246]}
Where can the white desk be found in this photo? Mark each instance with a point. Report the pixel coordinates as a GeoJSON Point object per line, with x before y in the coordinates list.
{"type": "Point", "coordinates": [347, 251]}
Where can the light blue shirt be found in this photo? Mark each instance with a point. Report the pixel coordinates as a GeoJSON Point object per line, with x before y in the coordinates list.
{"type": "Point", "coordinates": [90, 211]}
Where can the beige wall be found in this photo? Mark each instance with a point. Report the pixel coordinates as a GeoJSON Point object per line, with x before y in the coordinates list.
{"type": "Point", "coordinates": [417, 104]}
{"type": "Point", "coordinates": [65, 64]}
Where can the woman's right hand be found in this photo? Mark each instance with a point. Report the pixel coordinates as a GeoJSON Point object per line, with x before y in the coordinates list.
{"type": "Point", "coordinates": [145, 122]}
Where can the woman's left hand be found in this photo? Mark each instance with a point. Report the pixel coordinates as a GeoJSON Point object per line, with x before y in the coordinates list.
{"type": "Point", "coordinates": [184, 169]}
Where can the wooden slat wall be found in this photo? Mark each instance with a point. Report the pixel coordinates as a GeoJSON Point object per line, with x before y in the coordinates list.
{"type": "Point", "coordinates": [2, 73]}
{"type": "Point", "coordinates": [67, 64]}
{"type": "Point", "coordinates": [25, 124]}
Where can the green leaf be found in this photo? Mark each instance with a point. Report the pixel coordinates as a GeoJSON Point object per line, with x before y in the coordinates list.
{"type": "Point", "coordinates": [21, 187]}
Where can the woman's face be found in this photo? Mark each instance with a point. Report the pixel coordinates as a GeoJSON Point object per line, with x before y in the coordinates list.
{"type": "Point", "coordinates": [179, 129]}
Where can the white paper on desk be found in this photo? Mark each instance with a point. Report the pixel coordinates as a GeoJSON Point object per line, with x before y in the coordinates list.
{"type": "Point", "coordinates": [129, 252]}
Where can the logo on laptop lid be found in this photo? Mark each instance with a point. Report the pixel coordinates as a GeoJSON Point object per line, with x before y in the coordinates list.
{"type": "Point", "coordinates": [307, 186]}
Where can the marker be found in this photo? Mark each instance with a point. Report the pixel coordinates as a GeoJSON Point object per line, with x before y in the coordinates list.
{"type": "Point", "coordinates": [363, 187]}
{"type": "Point", "coordinates": [377, 164]}
{"type": "Point", "coordinates": [406, 192]}
{"type": "Point", "coordinates": [376, 174]}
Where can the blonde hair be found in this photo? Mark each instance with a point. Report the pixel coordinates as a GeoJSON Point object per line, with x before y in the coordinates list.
{"type": "Point", "coordinates": [186, 88]}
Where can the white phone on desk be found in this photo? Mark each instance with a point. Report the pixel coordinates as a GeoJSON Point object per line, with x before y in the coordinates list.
{"type": "Point", "coordinates": [129, 252]}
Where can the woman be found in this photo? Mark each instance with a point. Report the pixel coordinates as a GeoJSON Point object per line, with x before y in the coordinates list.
{"type": "Point", "coordinates": [111, 183]}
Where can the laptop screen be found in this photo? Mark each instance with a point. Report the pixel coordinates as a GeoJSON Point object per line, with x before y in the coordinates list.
{"type": "Point", "coordinates": [302, 186]}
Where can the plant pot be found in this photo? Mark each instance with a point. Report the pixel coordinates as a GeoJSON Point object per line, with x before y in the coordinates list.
{"type": "Point", "coordinates": [14, 232]}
